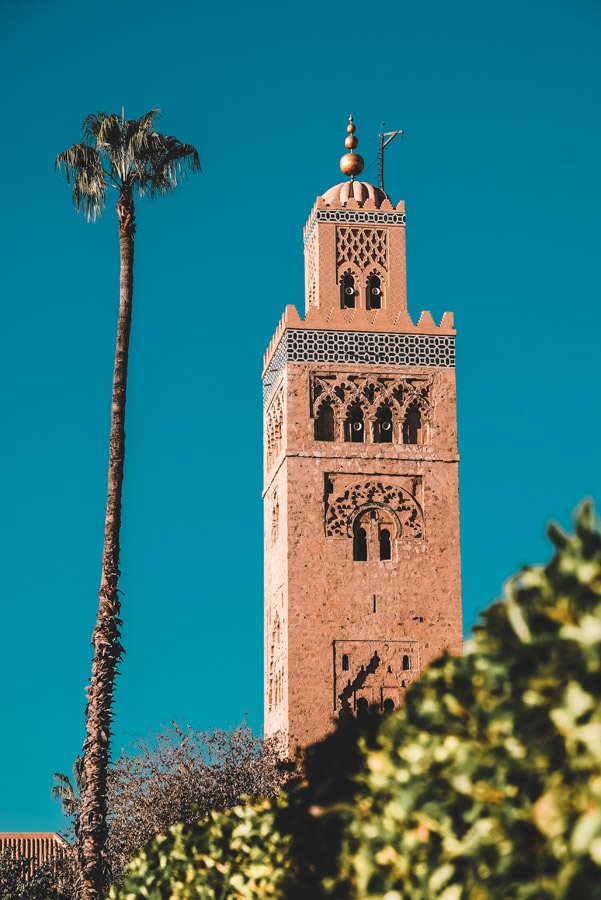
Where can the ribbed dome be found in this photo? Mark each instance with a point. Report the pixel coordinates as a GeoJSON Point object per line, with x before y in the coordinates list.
{"type": "Point", "coordinates": [355, 190]}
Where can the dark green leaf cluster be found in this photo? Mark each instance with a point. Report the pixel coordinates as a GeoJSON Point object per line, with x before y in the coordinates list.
{"type": "Point", "coordinates": [18, 883]}
{"type": "Point", "coordinates": [233, 854]}
{"type": "Point", "coordinates": [127, 154]}
{"type": "Point", "coordinates": [488, 782]}
{"type": "Point", "coordinates": [485, 785]}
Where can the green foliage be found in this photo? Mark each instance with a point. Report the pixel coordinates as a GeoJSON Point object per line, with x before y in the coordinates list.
{"type": "Point", "coordinates": [127, 154]}
{"type": "Point", "coordinates": [15, 886]}
{"type": "Point", "coordinates": [485, 785]}
{"type": "Point", "coordinates": [316, 812]}
{"type": "Point", "coordinates": [237, 854]}
{"type": "Point", "coordinates": [269, 849]}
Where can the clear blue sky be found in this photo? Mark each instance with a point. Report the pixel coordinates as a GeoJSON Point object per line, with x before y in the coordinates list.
{"type": "Point", "coordinates": [500, 172]}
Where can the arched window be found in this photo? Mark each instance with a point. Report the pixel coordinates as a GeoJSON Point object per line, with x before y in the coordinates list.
{"type": "Point", "coordinates": [347, 292]}
{"type": "Point", "coordinates": [383, 426]}
{"type": "Point", "coordinates": [406, 665]}
{"type": "Point", "coordinates": [412, 426]}
{"type": "Point", "coordinates": [354, 429]}
{"type": "Point", "coordinates": [324, 423]}
{"type": "Point", "coordinates": [360, 545]}
{"type": "Point", "coordinates": [384, 537]}
{"type": "Point", "coordinates": [374, 292]}
{"type": "Point", "coordinates": [388, 705]}
{"type": "Point", "coordinates": [345, 662]}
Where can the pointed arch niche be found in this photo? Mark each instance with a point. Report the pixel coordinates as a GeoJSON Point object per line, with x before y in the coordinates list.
{"type": "Point", "coordinates": [325, 422]}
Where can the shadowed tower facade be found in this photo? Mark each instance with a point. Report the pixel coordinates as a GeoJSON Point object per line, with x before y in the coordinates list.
{"type": "Point", "coordinates": [362, 565]}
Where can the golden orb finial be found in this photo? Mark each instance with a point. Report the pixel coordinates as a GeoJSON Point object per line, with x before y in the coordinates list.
{"type": "Point", "coordinates": [351, 163]}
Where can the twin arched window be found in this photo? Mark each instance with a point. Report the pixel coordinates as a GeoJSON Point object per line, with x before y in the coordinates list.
{"type": "Point", "coordinates": [373, 536]}
{"type": "Point", "coordinates": [348, 292]}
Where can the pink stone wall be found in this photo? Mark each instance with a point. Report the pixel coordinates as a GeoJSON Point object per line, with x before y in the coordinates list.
{"type": "Point", "coordinates": [342, 631]}
{"type": "Point", "coordinates": [324, 596]}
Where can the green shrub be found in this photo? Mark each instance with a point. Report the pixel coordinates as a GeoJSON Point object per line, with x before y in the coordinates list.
{"type": "Point", "coordinates": [486, 784]}
{"type": "Point", "coordinates": [236, 854]}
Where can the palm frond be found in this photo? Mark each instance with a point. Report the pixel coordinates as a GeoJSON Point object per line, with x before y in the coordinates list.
{"type": "Point", "coordinates": [140, 126]}
{"type": "Point", "coordinates": [110, 141]}
{"type": "Point", "coordinates": [147, 121]}
{"type": "Point", "coordinates": [109, 134]}
{"type": "Point", "coordinates": [79, 156]}
{"type": "Point", "coordinates": [91, 125]}
{"type": "Point", "coordinates": [130, 153]}
{"type": "Point", "coordinates": [78, 770]}
{"type": "Point", "coordinates": [162, 162]}
{"type": "Point", "coordinates": [65, 794]}
{"type": "Point", "coordinates": [82, 164]}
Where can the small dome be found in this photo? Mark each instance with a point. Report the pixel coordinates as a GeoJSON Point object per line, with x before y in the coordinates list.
{"type": "Point", "coordinates": [355, 190]}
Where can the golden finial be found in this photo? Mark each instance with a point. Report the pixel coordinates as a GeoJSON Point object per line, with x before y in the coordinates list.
{"type": "Point", "coordinates": [351, 163]}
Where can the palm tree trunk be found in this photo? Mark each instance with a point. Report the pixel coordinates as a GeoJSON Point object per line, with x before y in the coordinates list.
{"type": "Point", "coordinates": [93, 831]}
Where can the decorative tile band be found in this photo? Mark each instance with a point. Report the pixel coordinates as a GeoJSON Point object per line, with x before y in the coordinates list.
{"type": "Point", "coordinates": [362, 347]}
{"type": "Point", "coordinates": [278, 361]}
{"type": "Point", "coordinates": [359, 216]}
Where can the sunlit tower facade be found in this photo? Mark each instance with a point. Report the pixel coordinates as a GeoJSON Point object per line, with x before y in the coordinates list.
{"type": "Point", "coordinates": [362, 561]}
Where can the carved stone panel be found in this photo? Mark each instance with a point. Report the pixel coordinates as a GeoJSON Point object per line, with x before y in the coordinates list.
{"type": "Point", "coordinates": [362, 247]}
{"type": "Point", "coordinates": [349, 496]}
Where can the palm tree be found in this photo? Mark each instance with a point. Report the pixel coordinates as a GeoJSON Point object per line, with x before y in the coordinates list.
{"type": "Point", "coordinates": [129, 155]}
{"type": "Point", "coordinates": [67, 792]}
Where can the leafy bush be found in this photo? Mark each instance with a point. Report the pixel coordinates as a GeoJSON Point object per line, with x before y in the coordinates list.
{"type": "Point", "coordinates": [17, 882]}
{"type": "Point", "coordinates": [233, 854]}
{"type": "Point", "coordinates": [270, 849]}
{"type": "Point", "coordinates": [486, 784]}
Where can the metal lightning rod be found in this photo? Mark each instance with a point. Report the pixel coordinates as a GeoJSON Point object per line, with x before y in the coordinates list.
{"type": "Point", "coordinates": [390, 135]}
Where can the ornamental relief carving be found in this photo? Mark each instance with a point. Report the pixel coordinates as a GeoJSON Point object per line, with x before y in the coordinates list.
{"type": "Point", "coordinates": [362, 247]}
{"type": "Point", "coordinates": [274, 418]}
{"type": "Point", "coordinates": [349, 499]}
{"type": "Point", "coordinates": [370, 390]}
{"type": "Point", "coordinates": [373, 408]}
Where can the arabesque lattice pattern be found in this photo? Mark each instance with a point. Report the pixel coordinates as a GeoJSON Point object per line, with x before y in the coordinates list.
{"type": "Point", "coordinates": [273, 429]}
{"type": "Point", "coordinates": [362, 247]}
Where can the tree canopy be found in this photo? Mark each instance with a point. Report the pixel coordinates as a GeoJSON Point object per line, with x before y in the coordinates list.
{"type": "Point", "coordinates": [127, 154]}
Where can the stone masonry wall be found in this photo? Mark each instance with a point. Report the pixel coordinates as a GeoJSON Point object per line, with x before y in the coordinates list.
{"type": "Point", "coordinates": [383, 620]}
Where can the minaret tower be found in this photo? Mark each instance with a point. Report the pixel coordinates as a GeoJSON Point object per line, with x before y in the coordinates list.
{"type": "Point", "coordinates": [362, 566]}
